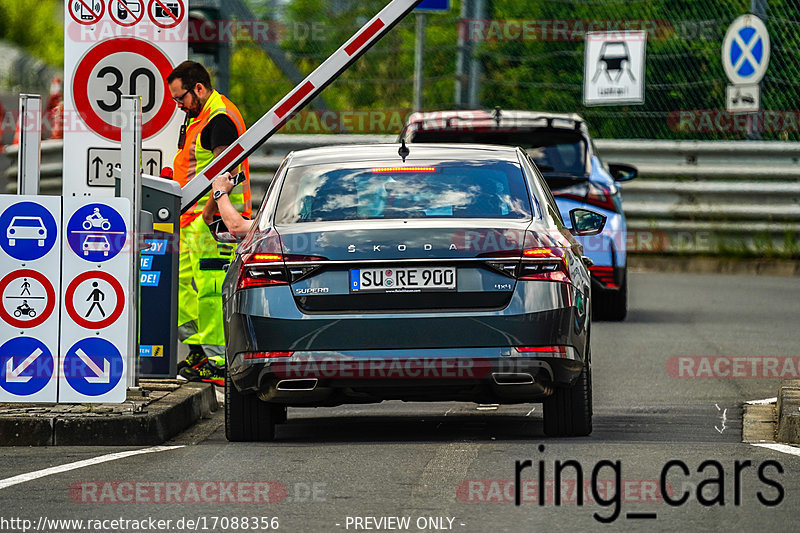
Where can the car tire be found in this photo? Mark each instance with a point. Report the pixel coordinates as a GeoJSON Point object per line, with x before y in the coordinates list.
{"type": "Point", "coordinates": [247, 418]}
{"type": "Point", "coordinates": [568, 411]}
{"type": "Point", "coordinates": [611, 304]}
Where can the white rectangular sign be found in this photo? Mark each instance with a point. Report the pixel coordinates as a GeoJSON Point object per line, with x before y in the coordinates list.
{"type": "Point", "coordinates": [614, 68]}
{"type": "Point", "coordinates": [103, 161]}
{"type": "Point", "coordinates": [743, 98]}
{"type": "Point", "coordinates": [113, 48]}
{"type": "Point", "coordinates": [97, 246]}
{"type": "Point", "coordinates": [30, 270]}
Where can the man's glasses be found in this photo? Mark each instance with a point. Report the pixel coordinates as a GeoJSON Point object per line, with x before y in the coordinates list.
{"type": "Point", "coordinates": [179, 99]}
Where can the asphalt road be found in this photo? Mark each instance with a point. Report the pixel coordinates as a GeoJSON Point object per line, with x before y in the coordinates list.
{"type": "Point", "coordinates": [450, 467]}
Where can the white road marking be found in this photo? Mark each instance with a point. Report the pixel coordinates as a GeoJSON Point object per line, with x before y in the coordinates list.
{"type": "Point", "coordinates": [30, 476]}
{"type": "Point", "coordinates": [765, 401]}
{"type": "Point", "coordinates": [783, 448]}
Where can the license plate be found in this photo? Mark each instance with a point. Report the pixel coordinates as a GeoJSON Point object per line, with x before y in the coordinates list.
{"type": "Point", "coordinates": [402, 279]}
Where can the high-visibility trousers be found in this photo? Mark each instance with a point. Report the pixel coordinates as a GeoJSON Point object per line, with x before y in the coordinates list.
{"type": "Point", "coordinates": [200, 277]}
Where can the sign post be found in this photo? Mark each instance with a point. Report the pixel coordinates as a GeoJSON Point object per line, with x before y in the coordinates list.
{"type": "Point", "coordinates": [30, 259]}
{"type": "Point", "coordinates": [745, 58]}
{"type": "Point", "coordinates": [113, 48]}
{"type": "Point", "coordinates": [614, 68]}
{"type": "Point", "coordinates": [30, 144]}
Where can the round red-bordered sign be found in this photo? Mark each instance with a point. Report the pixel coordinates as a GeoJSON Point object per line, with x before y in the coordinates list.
{"type": "Point", "coordinates": [69, 303]}
{"type": "Point", "coordinates": [164, 7]}
{"type": "Point", "coordinates": [48, 306]}
{"type": "Point", "coordinates": [103, 49]}
{"type": "Point", "coordinates": [119, 8]}
{"type": "Point", "coordinates": [82, 11]}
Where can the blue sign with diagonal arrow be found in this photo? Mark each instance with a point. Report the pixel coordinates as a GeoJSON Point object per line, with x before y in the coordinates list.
{"type": "Point", "coordinates": [26, 368]}
{"type": "Point", "coordinates": [92, 367]}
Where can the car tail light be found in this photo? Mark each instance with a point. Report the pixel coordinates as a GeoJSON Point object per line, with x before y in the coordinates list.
{"type": "Point", "coordinates": [543, 258]}
{"type": "Point", "coordinates": [605, 275]}
{"type": "Point", "coordinates": [260, 270]}
{"type": "Point", "coordinates": [596, 195]}
{"type": "Point", "coordinates": [249, 356]}
{"type": "Point", "coordinates": [548, 351]}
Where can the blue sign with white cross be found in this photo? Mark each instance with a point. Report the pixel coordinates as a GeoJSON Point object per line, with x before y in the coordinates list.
{"type": "Point", "coordinates": [28, 231]}
{"type": "Point", "coordinates": [26, 366]}
{"type": "Point", "coordinates": [96, 232]}
{"type": "Point", "coordinates": [746, 50]}
{"type": "Point", "coordinates": [93, 366]}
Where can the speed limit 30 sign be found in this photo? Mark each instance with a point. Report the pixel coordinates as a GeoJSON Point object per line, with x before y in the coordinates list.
{"type": "Point", "coordinates": [124, 49]}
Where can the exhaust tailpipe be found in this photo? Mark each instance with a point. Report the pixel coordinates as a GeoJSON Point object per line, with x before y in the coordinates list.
{"type": "Point", "coordinates": [512, 378]}
{"type": "Point", "coordinates": [297, 384]}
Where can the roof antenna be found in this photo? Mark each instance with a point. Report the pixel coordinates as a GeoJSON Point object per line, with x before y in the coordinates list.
{"type": "Point", "coordinates": [403, 151]}
{"type": "Point", "coordinates": [497, 114]}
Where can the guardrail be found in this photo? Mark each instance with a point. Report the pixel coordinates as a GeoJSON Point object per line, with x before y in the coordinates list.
{"type": "Point", "coordinates": [704, 197]}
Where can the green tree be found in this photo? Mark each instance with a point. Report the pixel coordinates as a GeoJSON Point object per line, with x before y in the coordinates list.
{"type": "Point", "coordinates": [37, 27]}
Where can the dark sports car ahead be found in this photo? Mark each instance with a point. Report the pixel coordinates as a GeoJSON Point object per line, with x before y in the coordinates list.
{"type": "Point", "coordinates": [444, 275]}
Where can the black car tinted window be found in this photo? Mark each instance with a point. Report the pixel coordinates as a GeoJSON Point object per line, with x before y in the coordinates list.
{"type": "Point", "coordinates": [553, 149]}
{"type": "Point", "coordinates": [452, 189]}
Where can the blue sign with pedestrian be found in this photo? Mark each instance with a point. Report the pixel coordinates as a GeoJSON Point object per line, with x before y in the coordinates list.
{"type": "Point", "coordinates": [26, 366]}
{"type": "Point", "coordinates": [96, 232]}
{"type": "Point", "coordinates": [93, 366]}
{"type": "Point", "coordinates": [28, 231]}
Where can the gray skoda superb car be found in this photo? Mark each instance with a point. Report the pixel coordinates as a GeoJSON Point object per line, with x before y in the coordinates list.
{"type": "Point", "coordinates": [435, 273]}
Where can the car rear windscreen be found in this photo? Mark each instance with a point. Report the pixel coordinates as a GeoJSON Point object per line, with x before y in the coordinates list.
{"type": "Point", "coordinates": [462, 189]}
{"type": "Point", "coordinates": [553, 149]}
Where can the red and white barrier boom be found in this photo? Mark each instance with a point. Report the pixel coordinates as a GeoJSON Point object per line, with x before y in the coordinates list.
{"type": "Point", "coordinates": [272, 121]}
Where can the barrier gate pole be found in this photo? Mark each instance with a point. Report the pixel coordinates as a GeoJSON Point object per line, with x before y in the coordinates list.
{"type": "Point", "coordinates": [276, 117]}
{"type": "Point", "coordinates": [131, 188]}
{"type": "Point", "coordinates": [30, 144]}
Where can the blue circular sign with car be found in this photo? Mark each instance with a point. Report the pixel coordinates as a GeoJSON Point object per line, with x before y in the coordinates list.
{"type": "Point", "coordinates": [96, 232]}
{"type": "Point", "coordinates": [28, 231]}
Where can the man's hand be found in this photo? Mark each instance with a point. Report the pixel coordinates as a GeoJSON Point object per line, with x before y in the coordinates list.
{"type": "Point", "coordinates": [223, 182]}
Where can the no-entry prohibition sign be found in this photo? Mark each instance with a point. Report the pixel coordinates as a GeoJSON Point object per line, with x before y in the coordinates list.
{"type": "Point", "coordinates": [122, 66]}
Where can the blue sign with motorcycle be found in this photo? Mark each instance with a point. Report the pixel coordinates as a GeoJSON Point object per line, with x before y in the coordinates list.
{"type": "Point", "coordinates": [96, 232]}
{"type": "Point", "coordinates": [26, 366]}
{"type": "Point", "coordinates": [28, 231]}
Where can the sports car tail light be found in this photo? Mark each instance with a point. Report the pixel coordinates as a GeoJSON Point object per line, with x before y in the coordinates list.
{"type": "Point", "coordinates": [549, 351]}
{"type": "Point", "coordinates": [249, 356]}
{"type": "Point", "coordinates": [605, 275]}
{"type": "Point", "coordinates": [596, 195]}
{"type": "Point", "coordinates": [260, 270]}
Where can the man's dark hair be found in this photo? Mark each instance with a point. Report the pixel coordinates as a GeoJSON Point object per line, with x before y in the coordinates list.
{"type": "Point", "coordinates": [190, 73]}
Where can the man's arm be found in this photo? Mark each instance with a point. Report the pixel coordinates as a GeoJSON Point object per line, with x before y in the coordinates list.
{"type": "Point", "coordinates": [237, 225]}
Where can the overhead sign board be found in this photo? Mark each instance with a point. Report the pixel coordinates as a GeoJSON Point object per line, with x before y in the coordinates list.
{"type": "Point", "coordinates": [30, 263]}
{"type": "Point", "coordinates": [614, 68]}
{"type": "Point", "coordinates": [97, 247]}
{"type": "Point", "coordinates": [746, 50]}
{"type": "Point", "coordinates": [113, 48]}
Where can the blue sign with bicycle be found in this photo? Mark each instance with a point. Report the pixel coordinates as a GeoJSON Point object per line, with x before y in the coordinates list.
{"type": "Point", "coordinates": [26, 366]}
{"type": "Point", "coordinates": [28, 231]}
{"type": "Point", "coordinates": [96, 232]}
{"type": "Point", "coordinates": [93, 366]}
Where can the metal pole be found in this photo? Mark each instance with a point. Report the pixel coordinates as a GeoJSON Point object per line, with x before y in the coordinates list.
{"type": "Point", "coordinates": [463, 51]}
{"type": "Point", "coordinates": [30, 144]}
{"type": "Point", "coordinates": [131, 188]}
{"type": "Point", "coordinates": [475, 68]}
{"type": "Point", "coordinates": [759, 9]}
{"type": "Point", "coordinates": [419, 50]}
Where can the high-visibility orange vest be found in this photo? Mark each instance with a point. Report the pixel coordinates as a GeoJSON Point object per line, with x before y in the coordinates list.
{"type": "Point", "coordinates": [192, 158]}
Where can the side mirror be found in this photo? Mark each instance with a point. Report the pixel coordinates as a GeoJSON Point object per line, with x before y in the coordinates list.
{"type": "Point", "coordinates": [621, 172]}
{"type": "Point", "coordinates": [585, 222]}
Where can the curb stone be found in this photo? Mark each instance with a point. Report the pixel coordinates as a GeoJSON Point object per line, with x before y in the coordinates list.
{"type": "Point", "coordinates": [788, 410]}
{"type": "Point", "coordinates": [148, 417]}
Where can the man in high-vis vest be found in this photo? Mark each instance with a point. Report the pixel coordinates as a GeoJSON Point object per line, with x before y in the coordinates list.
{"type": "Point", "coordinates": [212, 124]}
